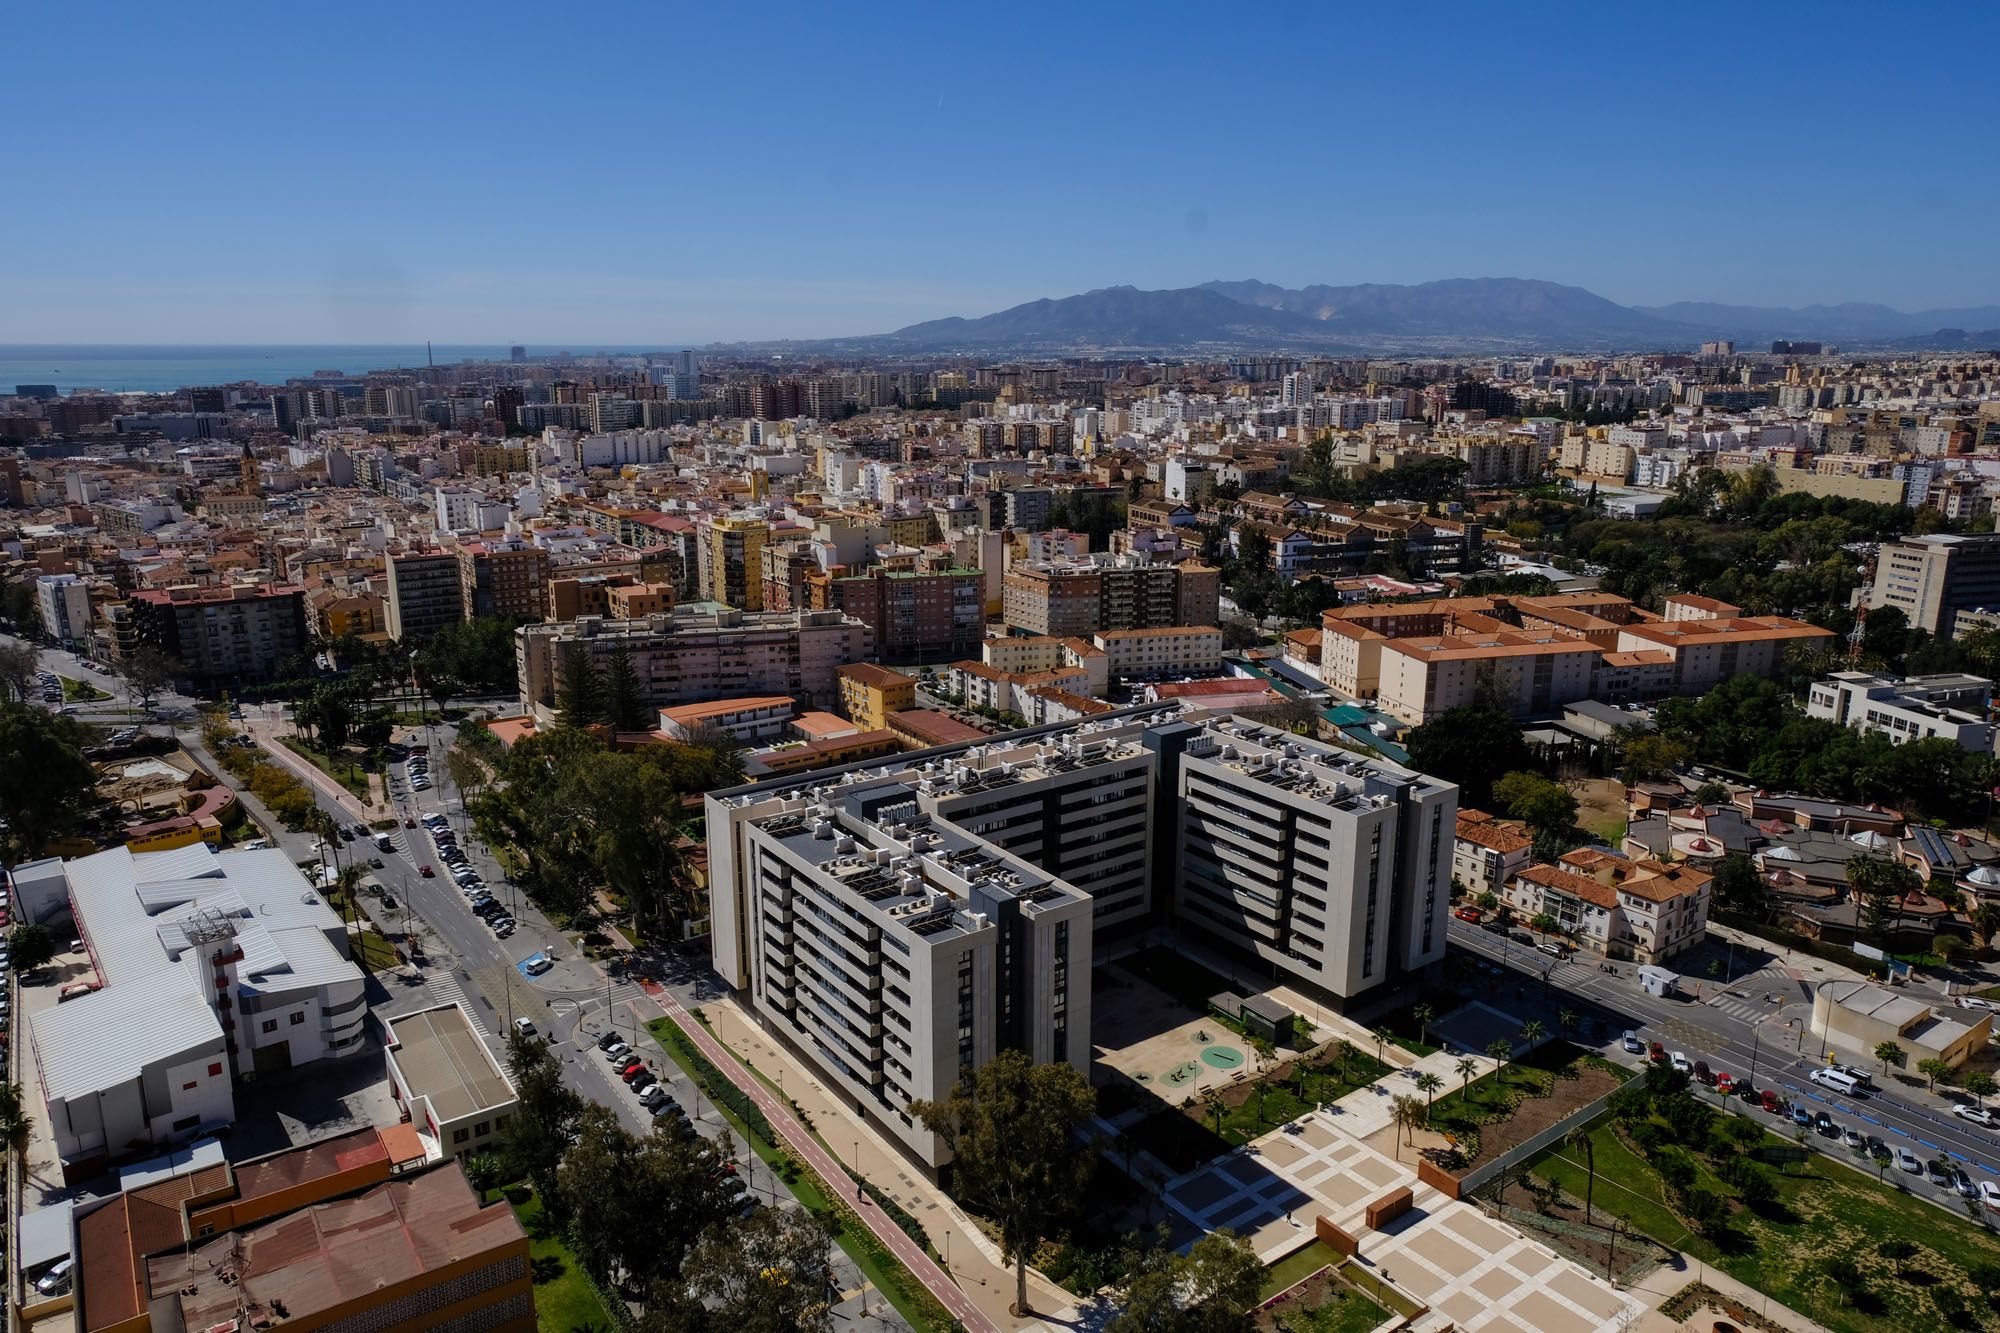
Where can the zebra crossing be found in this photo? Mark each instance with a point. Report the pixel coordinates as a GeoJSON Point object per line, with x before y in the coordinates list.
{"type": "Point", "coordinates": [444, 989]}
{"type": "Point", "coordinates": [1750, 999]}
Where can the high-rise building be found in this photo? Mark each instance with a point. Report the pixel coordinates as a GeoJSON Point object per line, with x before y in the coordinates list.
{"type": "Point", "coordinates": [731, 562]}
{"type": "Point", "coordinates": [1932, 578]}
{"type": "Point", "coordinates": [777, 401]}
{"type": "Point", "coordinates": [900, 925]}
{"type": "Point", "coordinates": [62, 601]}
{"type": "Point", "coordinates": [690, 658]}
{"type": "Point", "coordinates": [503, 578]}
{"type": "Point", "coordinates": [517, 353]}
{"type": "Point", "coordinates": [223, 636]}
{"type": "Point", "coordinates": [916, 615]}
{"type": "Point", "coordinates": [425, 594]}
{"type": "Point", "coordinates": [1077, 598]}
{"type": "Point", "coordinates": [612, 412]}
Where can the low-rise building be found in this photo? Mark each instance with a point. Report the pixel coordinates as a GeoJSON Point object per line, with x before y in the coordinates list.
{"type": "Point", "coordinates": [446, 1081]}
{"type": "Point", "coordinates": [1949, 707]}
{"type": "Point", "coordinates": [1486, 852]}
{"type": "Point", "coordinates": [750, 720]}
{"type": "Point", "coordinates": [205, 966]}
{"type": "Point", "coordinates": [869, 693]}
{"type": "Point", "coordinates": [1166, 650]}
{"type": "Point", "coordinates": [1644, 911]}
{"type": "Point", "coordinates": [1858, 1017]}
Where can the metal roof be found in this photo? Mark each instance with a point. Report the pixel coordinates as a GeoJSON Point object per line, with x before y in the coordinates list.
{"type": "Point", "coordinates": [108, 1037]}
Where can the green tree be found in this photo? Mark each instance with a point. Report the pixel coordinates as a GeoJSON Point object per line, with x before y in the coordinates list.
{"type": "Point", "coordinates": [1487, 901]}
{"type": "Point", "coordinates": [1645, 756]}
{"type": "Point", "coordinates": [19, 665]}
{"type": "Point", "coordinates": [1209, 1289]}
{"type": "Point", "coordinates": [1533, 1031]}
{"type": "Point", "coordinates": [624, 702]}
{"type": "Point", "coordinates": [1981, 1085]}
{"type": "Point", "coordinates": [1423, 1013]}
{"type": "Point", "coordinates": [1465, 1069]}
{"type": "Point", "coordinates": [1472, 746]}
{"type": "Point", "coordinates": [30, 946]}
{"type": "Point", "coordinates": [1011, 1129]}
{"type": "Point", "coordinates": [1544, 806]}
{"type": "Point", "coordinates": [148, 671]}
{"type": "Point", "coordinates": [1935, 1071]}
{"type": "Point", "coordinates": [768, 1273]}
{"type": "Point", "coordinates": [1408, 1114]}
{"type": "Point", "coordinates": [581, 690]}
{"type": "Point", "coordinates": [484, 1171]}
{"type": "Point", "coordinates": [1500, 1051]}
{"type": "Point", "coordinates": [1579, 1139]}
{"type": "Point", "coordinates": [1430, 1085]}
{"type": "Point", "coordinates": [17, 1127]}
{"type": "Point", "coordinates": [1890, 1053]}
{"type": "Point", "coordinates": [1739, 885]}
{"type": "Point", "coordinates": [545, 1121]}
{"type": "Point", "coordinates": [46, 785]}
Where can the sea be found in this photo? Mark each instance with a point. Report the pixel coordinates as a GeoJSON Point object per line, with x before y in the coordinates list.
{"type": "Point", "coordinates": [162, 369]}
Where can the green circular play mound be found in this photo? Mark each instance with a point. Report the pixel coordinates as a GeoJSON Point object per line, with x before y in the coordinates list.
{"type": "Point", "coordinates": [1222, 1057]}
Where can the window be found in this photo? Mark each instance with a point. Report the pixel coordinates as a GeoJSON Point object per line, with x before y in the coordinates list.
{"type": "Point", "coordinates": [215, 1070]}
{"type": "Point", "coordinates": [190, 1087]}
{"type": "Point", "coordinates": [270, 1025]}
{"type": "Point", "coordinates": [459, 1136]}
{"type": "Point", "coordinates": [298, 1018]}
{"type": "Point", "coordinates": [482, 1129]}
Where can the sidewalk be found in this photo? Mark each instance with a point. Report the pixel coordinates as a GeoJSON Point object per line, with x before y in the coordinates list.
{"type": "Point", "coordinates": [981, 1307]}
{"type": "Point", "coordinates": [266, 735]}
{"type": "Point", "coordinates": [1665, 1281]}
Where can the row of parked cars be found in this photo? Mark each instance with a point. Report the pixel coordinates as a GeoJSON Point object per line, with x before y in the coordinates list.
{"type": "Point", "coordinates": [484, 905]}
{"type": "Point", "coordinates": [1848, 1081]}
{"type": "Point", "coordinates": [419, 767]}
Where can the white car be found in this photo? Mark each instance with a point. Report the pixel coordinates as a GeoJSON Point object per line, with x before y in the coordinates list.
{"type": "Point", "coordinates": [1974, 1002]}
{"type": "Point", "coordinates": [1908, 1161]}
{"type": "Point", "coordinates": [1989, 1194]}
{"type": "Point", "coordinates": [616, 1051]}
{"type": "Point", "coordinates": [526, 1027]}
{"type": "Point", "coordinates": [1682, 1065]}
{"type": "Point", "coordinates": [1978, 1115]}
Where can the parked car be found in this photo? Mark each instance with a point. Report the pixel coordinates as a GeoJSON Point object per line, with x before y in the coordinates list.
{"type": "Point", "coordinates": [617, 1051]}
{"type": "Point", "coordinates": [1682, 1065]}
{"type": "Point", "coordinates": [526, 1027]}
{"type": "Point", "coordinates": [605, 1042]}
{"type": "Point", "coordinates": [1851, 1138]}
{"type": "Point", "coordinates": [536, 965]}
{"type": "Point", "coordinates": [1824, 1126]}
{"type": "Point", "coordinates": [1656, 1053]}
{"type": "Point", "coordinates": [1802, 1117]}
{"type": "Point", "coordinates": [1724, 1083]}
{"type": "Point", "coordinates": [1467, 914]}
{"type": "Point", "coordinates": [1978, 1115]}
{"type": "Point", "coordinates": [504, 927]}
{"type": "Point", "coordinates": [1938, 1173]}
{"type": "Point", "coordinates": [1989, 1194]}
{"type": "Point", "coordinates": [1908, 1161]}
{"type": "Point", "coordinates": [1702, 1073]}
{"type": "Point", "coordinates": [1632, 1043]}
{"type": "Point", "coordinates": [1771, 1101]}
{"type": "Point", "coordinates": [1962, 1182]}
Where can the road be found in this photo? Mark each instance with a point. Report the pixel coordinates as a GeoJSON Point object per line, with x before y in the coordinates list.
{"type": "Point", "coordinates": [571, 1005]}
{"type": "Point", "coordinates": [1753, 1025]}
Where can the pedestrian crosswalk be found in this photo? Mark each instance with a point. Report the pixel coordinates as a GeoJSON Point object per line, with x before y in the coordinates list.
{"type": "Point", "coordinates": [1755, 1009]}
{"type": "Point", "coordinates": [444, 989]}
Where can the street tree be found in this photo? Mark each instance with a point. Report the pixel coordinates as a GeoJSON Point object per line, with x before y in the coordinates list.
{"type": "Point", "coordinates": [1935, 1071]}
{"type": "Point", "coordinates": [1891, 1053]}
{"type": "Point", "coordinates": [545, 1121]}
{"type": "Point", "coordinates": [768, 1273]}
{"type": "Point", "coordinates": [149, 671]}
{"type": "Point", "coordinates": [1408, 1114]}
{"type": "Point", "coordinates": [31, 946]}
{"type": "Point", "coordinates": [1533, 1031]}
{"type": "Point", "coordinates": [1580, 1140]}
{"type": "Point", "coordinates": [1981, 1085]}
{"type": "Point", "coordinates": [46, 784]}
{"type": "Point", "coordinates": [19, 665]}
{"type": "Point", "coordinates": [1011, 1128]}
{"type": "Point", "coordinates": [1210, 1289]}
{"type": "Point", "coordinates": [1430, 1085]}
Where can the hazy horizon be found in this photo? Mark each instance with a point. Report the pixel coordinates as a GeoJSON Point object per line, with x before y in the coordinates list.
{"type": "Point", "coordinates": [807, 174]}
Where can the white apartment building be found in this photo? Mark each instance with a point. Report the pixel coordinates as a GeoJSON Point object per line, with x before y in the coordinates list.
{"type": "Point", "coordinates": [685, 658]}
{"type": "Point", "coordinates": [1533, 672]}
{"type": "Point", "coordinates": [1486, 853]}
{"type": "Point", "coordinates": [63, 603]}
{"type": "Point", "coordinates": [1949, 707]}
{"type": "Point", "coordinates": [902, 921]}
{"type": "Point", "coordinates": [1643, 911]}
{"type": "Point", "coordinates": [1155, 654]}
{"type": "Point", "coordinates": [209, 967]}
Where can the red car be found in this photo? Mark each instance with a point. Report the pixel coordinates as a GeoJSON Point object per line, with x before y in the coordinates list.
{"type": "Point", "coordinates": [629, 1064]}
{"type": "Point", "coordinates": [1468, 914]}
{"type": "Point", "coordinates": [1724, 1084]}
{"type": "Point", "coordinates": [409, 821]}
{"type": "Point", "coordinates": [637, 1068]}
{"type": "Point", "coordinates": [1771, 1103]}
{"type": "Point", "coordinates": [427, 872]}
{"type": "Point", "coordinates": [1657, 1053]}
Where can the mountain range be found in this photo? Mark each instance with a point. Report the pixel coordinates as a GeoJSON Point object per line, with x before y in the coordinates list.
{"type": "Point", "coordinates": [1456, 314]}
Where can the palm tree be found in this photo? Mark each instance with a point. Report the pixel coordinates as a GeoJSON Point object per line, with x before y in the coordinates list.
{"type": "Point", "coordinates": [1406, 1113]}
{"type": "Point", "coordinates": [1533, 1031]}
{"type": "Point", "coordinates": [1566, 1020]}
{"type": "Point", "coordinates": [1467, 1067]}
{"type": "Point", "coordinates": [347, 882]}
{"type": "Point", "coordinates": [1345, 1053]}
{"type": "Point", "coordinates": [1423, 1013]}
{"type": "Point", "coordinates": [1501, 1051]}
{"type": "Point", "coordinates": [1382, 1037]}
{"type": "Point", "coordinates": [1577, 1138]}
{"type": "Point", "coordinates": [17, 1127]}
{"type": "Point", "coordinates": [1428, 1084]}
{"type": "Point", "coordinates": [1211, 1102]}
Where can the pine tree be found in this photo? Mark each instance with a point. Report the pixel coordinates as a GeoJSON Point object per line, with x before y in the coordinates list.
{"type": "Point", "coordinates": [624, 705]}
{"type": "Point", "coordinates": [581, 693]}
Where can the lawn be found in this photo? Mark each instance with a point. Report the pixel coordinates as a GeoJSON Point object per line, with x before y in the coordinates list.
{"type": "Point", "coordinates": [80, 691]}
{"type": "Point", "coordinates": [564, 1297]}
{"type": "Point", "coordinates": [1824, 1210]}
{"type": "Point", "coordinates": [1297, 1267]}
{"type": "Point", "coordinates": [347, 774]}
{"type": "Point", "coordinates": [374, 952]}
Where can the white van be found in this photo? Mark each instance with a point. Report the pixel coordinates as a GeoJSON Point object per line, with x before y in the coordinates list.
{"type": "Point", "coordinates": [56, 1280]}
{"type": "Point", "coordinates": [1842, 1083]}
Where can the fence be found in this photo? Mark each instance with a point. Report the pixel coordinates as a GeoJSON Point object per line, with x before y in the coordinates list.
{"type": "Point", "coordinates": [1527, 1148]}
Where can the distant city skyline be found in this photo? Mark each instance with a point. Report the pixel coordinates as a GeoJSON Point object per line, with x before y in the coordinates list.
{"type": "Point", "coordinates": [809, 175]}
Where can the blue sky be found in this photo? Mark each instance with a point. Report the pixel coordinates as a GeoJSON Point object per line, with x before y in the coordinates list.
{"type": "Point", "coordinates": [667, 171]}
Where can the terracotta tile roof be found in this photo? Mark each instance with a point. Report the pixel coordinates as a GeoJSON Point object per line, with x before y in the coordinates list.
{"type": "Point", "coordinates": [1489, 833]}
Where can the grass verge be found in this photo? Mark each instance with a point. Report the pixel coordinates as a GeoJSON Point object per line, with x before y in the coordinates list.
{"type": "Point", "coordinates": [347, 775]}
{"type": "Point", "coordinates": [896, 1283]}
{"type": "Point", "coordinates": [80, 691]}
{"type": "Point", "coordinates": [564, 1297]}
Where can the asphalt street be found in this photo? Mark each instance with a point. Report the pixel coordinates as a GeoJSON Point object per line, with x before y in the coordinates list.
{"type": "Point", "coordinates": [1751, 1023]}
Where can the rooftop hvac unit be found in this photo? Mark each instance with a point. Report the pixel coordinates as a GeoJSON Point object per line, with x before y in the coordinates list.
{"type": "Point", "coordinates": [844, 847]}
{"type": "Point", "coordinates": [822, 828]}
